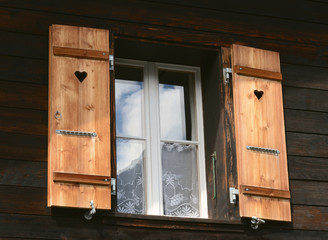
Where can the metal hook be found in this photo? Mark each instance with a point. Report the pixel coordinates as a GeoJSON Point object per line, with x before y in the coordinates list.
{"type": "Point", "coordinates": [255, 222]}
{"type": "Point", "coordinates": [58, 115]}
{"type": "Point", "coordinates": [89, 214]}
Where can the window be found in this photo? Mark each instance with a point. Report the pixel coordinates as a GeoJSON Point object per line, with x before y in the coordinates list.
{"type": "Point", "coordinates": [160, 162]}
{"type": "Point", "coordinates": [160, 145]}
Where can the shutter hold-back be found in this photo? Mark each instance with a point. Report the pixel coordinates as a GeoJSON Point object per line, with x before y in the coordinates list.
{"type": "Point", "coordinates": [89, 214]}
{"type": "Point", "coordinates": [255, 222]}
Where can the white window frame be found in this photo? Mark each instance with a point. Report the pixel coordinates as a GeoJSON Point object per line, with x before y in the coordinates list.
{"type": "Point", "coordinates": [152, 163]}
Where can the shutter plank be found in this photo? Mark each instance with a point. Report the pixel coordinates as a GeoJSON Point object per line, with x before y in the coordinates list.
{"type": "Point", "coordinates": [83, 106]}
{"type": "Point", "coordinates": [259, 122]}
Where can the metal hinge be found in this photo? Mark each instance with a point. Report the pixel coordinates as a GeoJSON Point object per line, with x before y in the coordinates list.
{"type": "Point", "coordinates": [113, 185]}
{"type": "Point", "coordinates": [233, 195]}
{"type": "Point", "coordinates": [111, 62]}
{"type": "Point", "coordinates": [227, 75]}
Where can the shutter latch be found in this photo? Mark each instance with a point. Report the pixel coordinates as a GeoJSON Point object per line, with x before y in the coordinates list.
{"type": "Point", "coordinates": [89, 214]}
{"type": "Point", "coordinates": [113, 185]}
{"type": "Point", "coordinates": [111, 62]}
{"type": "Point", "coordinates": [227, 72]}
{"type": "Point", "coordinates": [255, 222]}
{"type": "Point", "coordinates": [233, 195]}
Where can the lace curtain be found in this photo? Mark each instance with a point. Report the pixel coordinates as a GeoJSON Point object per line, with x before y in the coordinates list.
{"type": "Point", "coordinates": [180, 180]}
{"type": "Point", "coordinates": [130, 182]}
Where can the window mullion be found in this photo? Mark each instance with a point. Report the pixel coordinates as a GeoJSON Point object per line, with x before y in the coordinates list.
{"type": "Point", "coordinates": [156, 206]}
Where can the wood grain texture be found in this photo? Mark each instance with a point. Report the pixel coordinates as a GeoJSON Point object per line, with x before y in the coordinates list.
{"type": "Point", "coordinates": [309, 11]}
{"type": "Point", "coordinates": [307, 145]}
{"type": "Point", "coordinates": [23, 173]}
{"type": "Point", "coordinates": [23, 200]}
{"type": "Point", "coordinates": [80, 178]}
{"type": "Point", "coordinates": [312, 193]}
{"type": "Point", "coordinates": [264, 192]}
{"type": "Point", "coordinates": [84, 106]}
{"type": "Point", "coordinates": [23, 95]}
{"type": "Point", "coordinates": [305, 76]}
{"type": "Point", "coordinates": [310, 217]}
{"type": "Point", "coordinates": [308, 168]}
{"type": "Point", "coordinates": [255, 72]}
{"type": "Point", "coordinates": [312, 122]}
{"type": "Point", "coordinates": [23, 146]}
{"type": "Point", "coordinates": [193, 19]}
{"type": "Point", "coordinates": [75, 227]}
{"type": "Point", "coordinates": [305, 99]}
{"type": "Point", "coordinates": [24, 56]}
{"type": "Point", "coordinates": [80, 53]}
{"type": "Point", "coordinates": [28, 70]}
{"type": "Point", "coordinates": [27, 21]}
{"type": "Point", "coordinates": [27, 121]}
{"type": "Point", "coordinates": [260, 123]}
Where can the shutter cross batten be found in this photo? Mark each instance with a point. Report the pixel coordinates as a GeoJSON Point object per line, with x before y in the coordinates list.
{"type": "Point", "coordinates": [79, 118]}
{"type": "Point", "coordinates": [259, 121]}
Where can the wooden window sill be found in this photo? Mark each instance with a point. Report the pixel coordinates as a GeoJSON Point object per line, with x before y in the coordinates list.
{"type": "Point", "coordinates": [163, 222]}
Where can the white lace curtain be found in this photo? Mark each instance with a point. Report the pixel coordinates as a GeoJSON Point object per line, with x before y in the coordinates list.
{"type": "Point", "coordinates": [180, 180]}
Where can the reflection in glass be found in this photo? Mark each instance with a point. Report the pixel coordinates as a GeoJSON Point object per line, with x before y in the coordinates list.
{"type": "Point", "coordinates": [129, 102]}
{"type": "Point", "coordinates": [130, 177]}
{"type": "Point", "coordinates": [180, 180]}
{"type": "Point", "coordinates": [176, 100]}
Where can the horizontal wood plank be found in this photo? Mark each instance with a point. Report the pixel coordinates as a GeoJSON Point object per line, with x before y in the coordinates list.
{"type": "Point", "coordinates": [306, 121]}
{"type": "Point", "coordinates": [17, 69]}
{"type": "Point", "coordinates": [174, 223]}
{"type": "Point", "coordinates": [264, 192]}
{"type": "Point", "coordinates": [81, 53]}
{"type": "Point", "coordinates": [305, 99]}
{"type": "Point", "coordinates": [26, 45]}
{"type": "Point", "coordinates": [23, 146]}
{"type": "Point", "coordinates": [74, 226]}
{"type": "Point", "coordinates": [194, 18]}
{"type": "Point", "coordinates": [81, 178]}
{"type": "Point", "coordinates": [23, 95]}
{"type": "Point", "coordinates": [308, 168]}
{"type": "Point", "coordinates": [259, 73]}
{"type": "Point", "coordinates": [312, 193]}
{"type": "Point", "coordinates": [23, 200]}
{"type": "Point", "coordinates": [25, 21]}
{"type": "Point", "coordinates": [307, 145]}
{"type": "Point", "coordinates": [23, 173]}
{"type": "Point", "coordinates": [310, 217]}
{"type": "Point", "coordinates": [27, 121]}
{"type": "Point", "coordinates": [305, 76]}
{"type": "Point", "coordinates": [310, 11]}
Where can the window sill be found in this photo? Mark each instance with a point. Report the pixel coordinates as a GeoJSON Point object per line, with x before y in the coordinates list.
{"type": "Point", "coordinates": [177, 223]}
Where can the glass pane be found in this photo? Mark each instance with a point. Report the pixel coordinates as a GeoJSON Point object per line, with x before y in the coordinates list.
{"type": "Point", "coordinates": [130, 177]}
{"type": "Point", "coordinates": [129, 101]}
{"type": "Point", "coordinates": [176, 105]}
{"type": "Point", "coordinates": [180, 180]}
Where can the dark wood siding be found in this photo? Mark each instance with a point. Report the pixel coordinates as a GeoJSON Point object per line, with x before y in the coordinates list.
{"type": "Point", "coordinates": [298, 32]}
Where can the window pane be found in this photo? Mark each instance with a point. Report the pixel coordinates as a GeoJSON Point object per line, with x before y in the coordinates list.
{"type": "Point", "coordinates": [130, 177]}
{"type": "Point", "coordinates": [180, 180]}
{"type": "Point", "coordinates": [176, 104]}
{"type": "Point", "coordinates": [129, 101]}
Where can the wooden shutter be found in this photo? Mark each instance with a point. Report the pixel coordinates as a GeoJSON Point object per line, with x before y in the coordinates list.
{"type": "Point", "coordinates": [79, 163]}
{"type": "Point", "coordinates": [260, 134]}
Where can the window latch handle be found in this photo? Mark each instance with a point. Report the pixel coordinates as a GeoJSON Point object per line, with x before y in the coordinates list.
{"type": "Point", "coordinates": [214, 174]}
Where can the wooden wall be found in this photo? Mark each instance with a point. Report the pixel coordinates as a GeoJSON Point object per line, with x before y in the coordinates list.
{"type": "Point", "coordinates": [298, 31]}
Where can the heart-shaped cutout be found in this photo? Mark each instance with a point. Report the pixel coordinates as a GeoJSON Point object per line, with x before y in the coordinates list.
{"type": "Point", "coordinates": [258, 94]}
{"type": "Point", "coordinates": [81, 75]}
